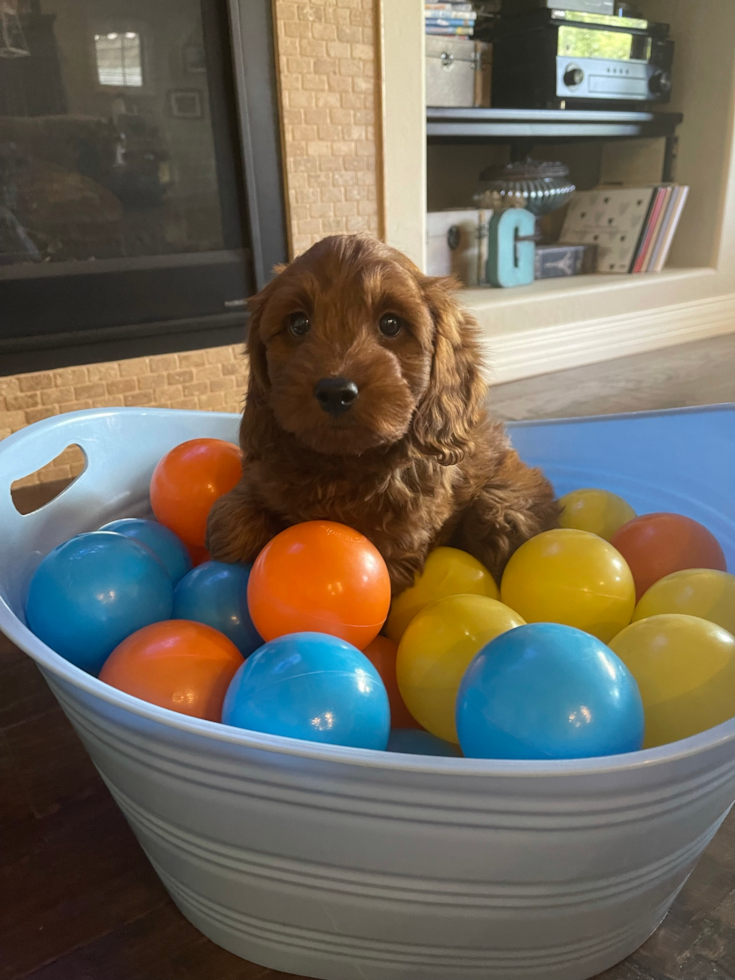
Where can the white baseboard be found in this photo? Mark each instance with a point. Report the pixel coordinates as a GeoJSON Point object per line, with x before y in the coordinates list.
{"type": "Point", "coordinates": [555, 348]}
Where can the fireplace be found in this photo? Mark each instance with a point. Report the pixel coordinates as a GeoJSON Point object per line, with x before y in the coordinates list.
{"type": "Point", "coordinates": [141, 195]}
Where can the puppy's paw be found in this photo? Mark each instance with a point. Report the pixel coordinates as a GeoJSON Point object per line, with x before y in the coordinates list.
{"type": "Point", "coordinates": [237, 531]}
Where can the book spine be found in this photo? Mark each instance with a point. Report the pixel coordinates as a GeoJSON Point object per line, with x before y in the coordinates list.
{"type": "Point", "coordinates": [448, 22]}
{"type": "Point", "coordinates": [645, 238]}
{"type": "Point", "coordinates": [666, 213]}
{"type": "Point", "coordinates": [656, 229]}
{"type": "Point", "coordinates": [446, 15]}
{"type": "Point", "coordinates": [671, 230]}
{"type": "Point", "coordinates": [455, 7]}
{"type": "Point", "coordinates": [450, 31]}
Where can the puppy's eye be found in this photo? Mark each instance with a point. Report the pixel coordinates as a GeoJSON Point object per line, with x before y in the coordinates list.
{"type": "Point", "coordinates": [390, 325]}
{"type": "Point", "coordinates": [298, 324]}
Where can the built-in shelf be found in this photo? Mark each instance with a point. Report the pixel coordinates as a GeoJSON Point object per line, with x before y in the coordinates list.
{"type": "Point", "coordinates": [504, 125]}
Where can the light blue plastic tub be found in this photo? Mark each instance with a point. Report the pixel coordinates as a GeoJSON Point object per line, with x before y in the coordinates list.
{"type": "Point", "coordinates": [350, 864]}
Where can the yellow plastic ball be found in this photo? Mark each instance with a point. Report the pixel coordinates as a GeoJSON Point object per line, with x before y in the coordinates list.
{"type": "Point", "coordinates": [597, 511]}
{"type": "Point", "coordinates": [448, 571]}
{"type": "Point", "coordinates": [437, 649]}
{"type": "Point", "coordinates": [570, 577]}
{"type": "Point", "coordinates": [703, 592]}
{"type": "Point", "coordinates": [685, 669]}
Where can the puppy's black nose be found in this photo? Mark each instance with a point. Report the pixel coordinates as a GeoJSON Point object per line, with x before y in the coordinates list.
{"type": "Point", "coordinates": [335, 395]}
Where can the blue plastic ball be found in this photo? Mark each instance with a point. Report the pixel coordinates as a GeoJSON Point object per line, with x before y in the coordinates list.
{"type": "Point", "coordinates": [546, 691]}
{"type": "Point", "coordinates": [413, 741]}
{"type": "Point", "coordinates": [164, 544]}
{"type": "Point", "coordinates": [90, 593]}
{"type": "Point", "coordinates": [310, 686]}
{"type": "Point", "coordinates": [216, 594]}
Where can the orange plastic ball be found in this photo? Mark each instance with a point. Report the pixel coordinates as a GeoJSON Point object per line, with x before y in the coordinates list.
{"type": "Point", "coordinates": [382, 654]}
{"type": "Point", "coordinates": [188, 480]}
{"type": "Point", "coordinates": [180, 665]}
{"type": "Point", "coordinates": [655, 545]}
{"type": "Point", "coordinates": [319, 577]}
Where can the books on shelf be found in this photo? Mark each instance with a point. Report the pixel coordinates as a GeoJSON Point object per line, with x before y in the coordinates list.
{"type": "Point", "coordinates": [633, 227]}
{"type": "Point", "coordinates": [451, 19]}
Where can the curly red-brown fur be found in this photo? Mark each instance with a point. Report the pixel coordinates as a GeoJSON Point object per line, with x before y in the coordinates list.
{"type": "Point", "coordinates": [416, 461]}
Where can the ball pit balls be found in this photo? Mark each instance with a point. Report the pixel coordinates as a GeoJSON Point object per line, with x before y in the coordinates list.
{"type": "Point", "coordinates": [655, 545]}
{"type": "Point", "coordinates": [597, 511]}
{"type": "Point", "coordinates": [685, 669]}
{"type": "Point", "coordinates": [415, 741]}
{"type": "Point", "coordinates": [547, 691]}
{"type": "Point", "coordinates": [185, 667]}
{"type": "Point", "coordinates": [382, 653]}
{"type": "Point", "coordinates": [311, 686]}
{"type": "Point", "coordinates": [703, 592]}
{"type": "Point", "coordinates": [91, 592]}
{"type": "Point", "coordinates": [437, 648]}
{"type": "Point", "coordinates": [188, 480]}
{"type": "Point", "coordinates": [164, 544]}
{"type": "Point", "coordinates": [320, 577]}
{"type": "Point", "coordinates": [570, 577]}
{"type": "Point", "coordinates": [216, 594]}
{"type": "Point", "coordinates": [448, 571]}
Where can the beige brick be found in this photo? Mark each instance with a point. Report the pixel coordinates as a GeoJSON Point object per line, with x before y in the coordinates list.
{"type": "Point", "coordinates": [292, 117]}
{"type": "Point", "coordinates": [51, 473]}
{"type": "Point", "coordinates": [320, 180]}
{"type": "Point", "coordinates": [9, 386]}
{"type": "Point", "coordinates": [138, 398]}
{"type": "Point", "coordinates": [344, 179]}
{"type": "Point", "coordinates": [192, 359]}
{"type": "Point", "coordinates": [364, 84]}
{"type": "Point", "coordinates": [14, 420]}
{"type": "Point", "coordinates": [196, 388]}
{"type": "Point", "coordinates": [346, 209]}
{"type": "Point", "coordinates": [208, 373]}
{"type": "Point", "coordinates": [309, 195]}
{"type": "Point", "coordinates": [5, 432]}
{"type": "Point", "coordinates": [179, 377]}
{"type": "Point", "coordinates": [328, 100]}
{"type": "Point", "coordinates": [286, 11]}
{"type": "Point", "coordinates": [317, 117]}
{"type": "Point", "coordinates": [366, 208]}
{"type": "Point", "coordinates": [351, 100]}
{"type": "Point", "coordinates": [163, 362]}
{"type": "Point", "coordinates": [359, 223]}
{"type": "Point", "coordinates": [299, 65]}
{"type": "Point", "coordinates": [333, 226]}
{"type": "Point", "coordinates": [187, 403]}
{"type": "Point", "coordinates": [340, 83]}
{"type": "Point", "coordinates": [57, 396]}
{"type": "Point", "coordinates": [350, 33]}
{"type": "Point", "coordinates": [151, 381]}
{"type": "Point", "coordinates": [35, 382]}
{"type": "Point", "coordinates": [324, 32]}
{"type": "Point", "coordinates": [329, 162]}
{"type": "Point", "coordinates": [315, 83]}
{"type": "Point", "coordinates": [304, 133]}
{"type": "Point", "coordinates": [17, 403]}
{"type": "Point", "coordinates": [219, 355]}
{"type": "Point", "coordinates": [93, 390]}
{"type": "Point", "coordinates": [70, 376]}
{"type": "Point", "coordinates": [110, 401]}
{"type": "Point", "coordinates": [301, 100]}
{"type": "Point", "coordinates": [312, 47]}
{"type": "Point", "coordinates": [134, 367]}
{"type": "Point", "coordinates": [121, 387]}
{"type": "Point", "coordinates": [237, 367]}
{"type": "Point", "coordinates": [26, 481]}
{"type": "Point", "coordinates": [171, 393]}
{"type": "Point", "coordinates": [288, 45]}
{"type": "Point", "coordinates": [321, 210]}
{"type": "Point", "coordinates": [213, 401]}
{"type": "Point", "coordinates": [36, 414]}
{"type": "Point", "coordinates": [332, 194]}
{"type": "Point", "coordinates": [103, 372]}
{"type": "Point", "coordinates": [299, 29]}
{"type": "Point", "coordinates": [222, 384]}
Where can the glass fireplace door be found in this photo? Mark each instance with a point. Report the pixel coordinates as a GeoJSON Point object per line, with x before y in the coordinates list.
{"type": "Point", "coordinates": [123, 195]}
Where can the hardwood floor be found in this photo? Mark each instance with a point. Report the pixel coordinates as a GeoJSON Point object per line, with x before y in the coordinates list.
{"type": "Point", "coordinates": [79, 901]}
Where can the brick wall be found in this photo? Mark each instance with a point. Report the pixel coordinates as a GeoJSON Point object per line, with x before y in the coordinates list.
{"type": "Point", "coordinates": [328, 78]}
{"type": "Point", "coordinates": [329, 91]}
{"type": "Point", "coordinates": [204, 379]}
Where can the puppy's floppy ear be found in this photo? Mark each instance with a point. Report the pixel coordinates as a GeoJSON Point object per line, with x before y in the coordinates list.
{"type": "Point", "coordinates": [450, 409]}
{"type": "Point", "coordinates": [256, 421]}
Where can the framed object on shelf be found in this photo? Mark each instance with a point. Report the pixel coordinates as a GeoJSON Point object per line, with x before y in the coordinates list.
{"type": "Point", "coordinates": [186, 103]}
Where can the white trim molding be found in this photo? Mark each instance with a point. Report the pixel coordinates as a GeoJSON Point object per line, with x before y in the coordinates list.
{"type": "Point", "coordinates": [555, 348]}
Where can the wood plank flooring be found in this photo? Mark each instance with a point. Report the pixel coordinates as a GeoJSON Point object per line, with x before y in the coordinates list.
{"type": "Point", "coordinates": [79, 901]}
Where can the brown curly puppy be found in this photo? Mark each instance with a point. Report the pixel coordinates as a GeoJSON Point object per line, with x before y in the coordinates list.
{"type": "Point", "coordinates": [366, 405]}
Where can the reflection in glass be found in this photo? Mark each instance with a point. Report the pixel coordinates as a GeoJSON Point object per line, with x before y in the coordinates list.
{"type": "Point", "coordinates": [112, 140]}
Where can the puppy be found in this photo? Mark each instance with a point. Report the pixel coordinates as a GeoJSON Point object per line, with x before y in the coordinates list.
{"type": "Point", "coordinates": [366, 405]}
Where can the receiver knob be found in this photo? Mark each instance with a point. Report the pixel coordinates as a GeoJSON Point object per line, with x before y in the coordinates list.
{"type": "Point", "coordinates": [573, 76]}
{"type": "Point", "coordinates": [660, 83]}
